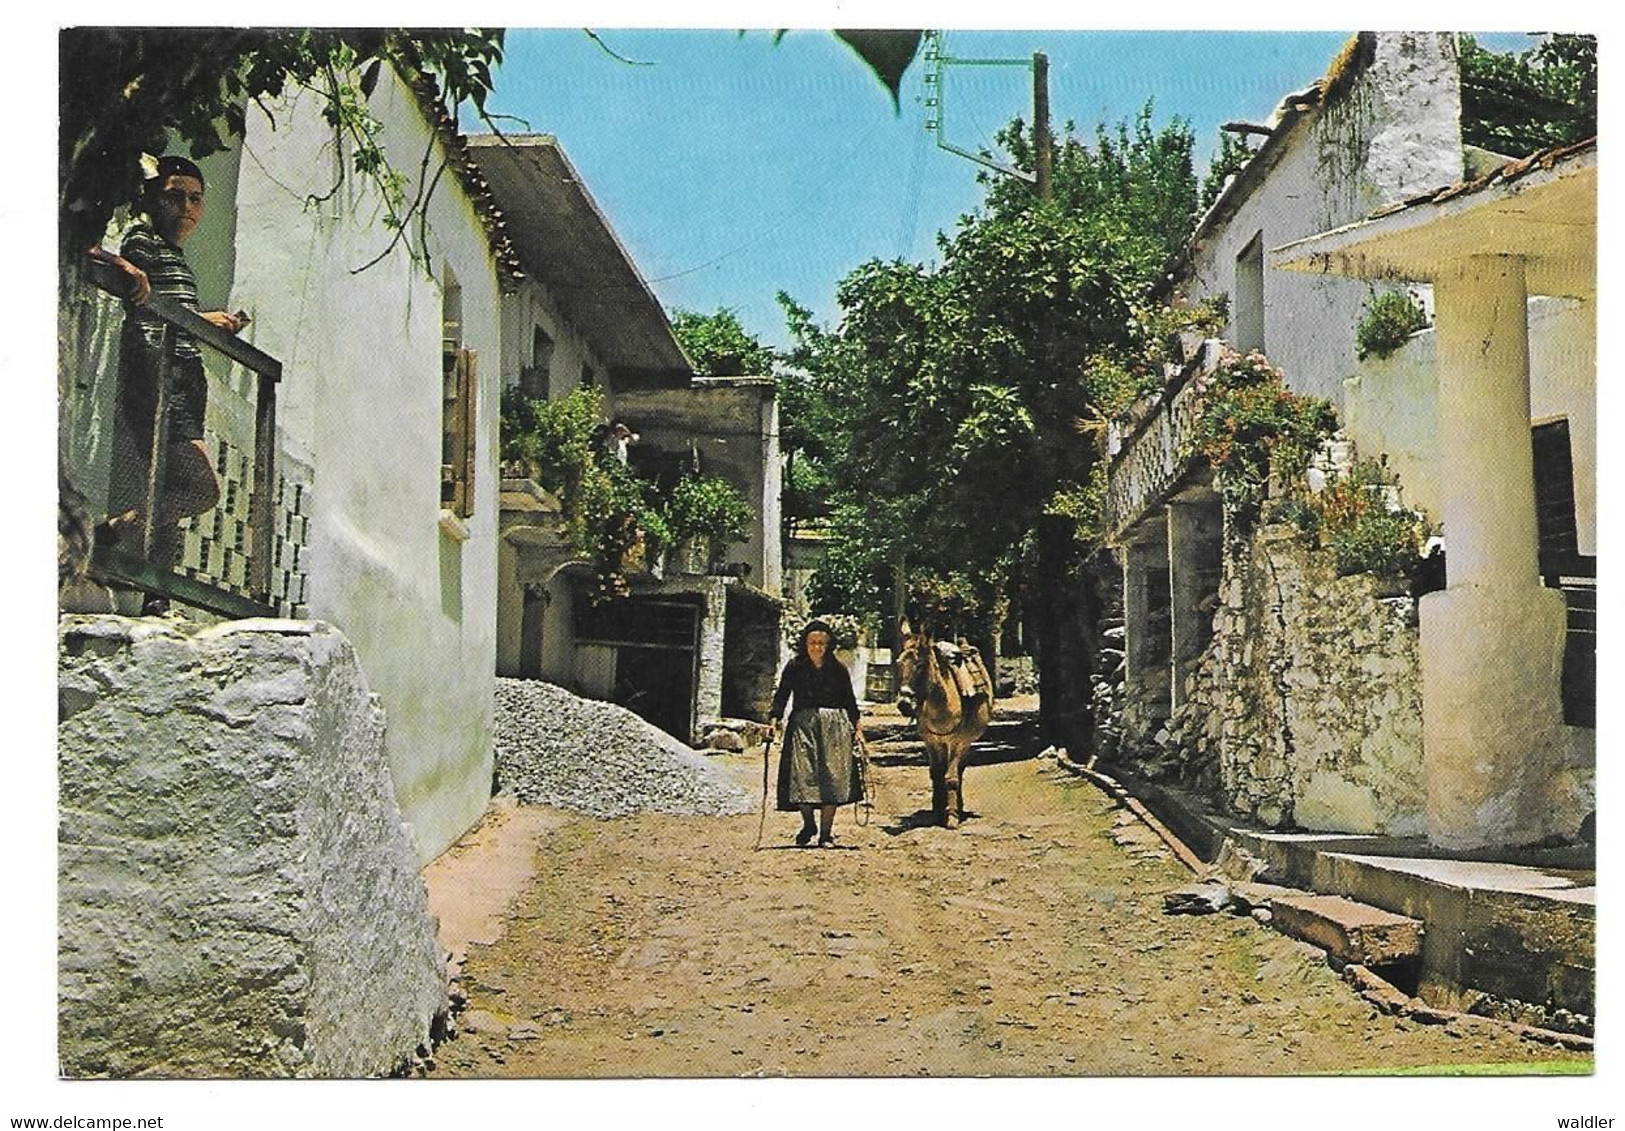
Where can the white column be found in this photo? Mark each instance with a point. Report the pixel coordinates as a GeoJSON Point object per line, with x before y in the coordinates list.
{"type": "Point", "coordinates": [712, 648]}
{"type": "Point", "coordinates": [1492, 642]}
{"type": "Point", "coordinates": [771, 578]}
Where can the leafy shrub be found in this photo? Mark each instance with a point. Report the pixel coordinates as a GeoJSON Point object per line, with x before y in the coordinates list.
{"type": "Point", "coordinates": [553, 439]}
{"type": "Point", "coordinates": [1116, 380]}
{"type": "Point", "coordinates": [720, 346]}
{"type": "Point", "coordinates": [609, 513]}
{"type": "Point", "coordinates": [707, 507]}
{"type": "Point", "coordinates": [1360, 521]}
{"type": "Point", "coordinates": [1382, 542]}
{"type": "Point", "coordinates": [1388, 321]}
{"type": "Point", "coordinates": [1296, 510]}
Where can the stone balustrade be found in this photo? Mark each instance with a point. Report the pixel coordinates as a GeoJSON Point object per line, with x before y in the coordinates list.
{"type": "Point", "coordinates": [1152, 460]}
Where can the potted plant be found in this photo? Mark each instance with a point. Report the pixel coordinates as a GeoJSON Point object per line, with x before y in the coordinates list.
{"type": "Point", "coordinates": [703, 513]}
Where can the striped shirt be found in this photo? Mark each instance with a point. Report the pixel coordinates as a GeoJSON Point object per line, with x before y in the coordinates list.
{"type": "Point", "coordinates": [170, 275]}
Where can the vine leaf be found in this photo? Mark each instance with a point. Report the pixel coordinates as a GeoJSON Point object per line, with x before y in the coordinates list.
{"type": "Point", "coordinates": [888, 54]}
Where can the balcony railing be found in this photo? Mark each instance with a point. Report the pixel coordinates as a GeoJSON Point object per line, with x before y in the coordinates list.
{"type": "Point", "coordinates": [1154, 458]}
{"type": "Point", "coordinates": [115, 563]}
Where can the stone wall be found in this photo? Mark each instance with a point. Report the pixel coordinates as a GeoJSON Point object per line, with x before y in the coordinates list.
{"type": "Point", "coordinates": [238, 896]}
{"type": "Point", "coordinates": [1307, 702]}
{"type": "Point", "coordinates": [750, 656]}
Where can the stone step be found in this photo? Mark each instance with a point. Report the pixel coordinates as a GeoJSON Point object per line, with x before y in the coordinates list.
{"type": "Point", "coordinates": [1348, 931]}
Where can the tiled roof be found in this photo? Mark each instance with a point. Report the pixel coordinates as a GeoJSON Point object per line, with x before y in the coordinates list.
{"type": "Point", "coordinates": [1505, 174]}
{"type": "Point", "coordinates": [510, 268]}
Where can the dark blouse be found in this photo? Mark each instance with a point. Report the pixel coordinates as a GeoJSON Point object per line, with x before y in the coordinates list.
{"type": "Point", "coordinates": [812, 687]}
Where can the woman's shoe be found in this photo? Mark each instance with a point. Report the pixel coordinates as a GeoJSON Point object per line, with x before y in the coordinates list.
{"type": "Point", "coordinates": [805, 836]}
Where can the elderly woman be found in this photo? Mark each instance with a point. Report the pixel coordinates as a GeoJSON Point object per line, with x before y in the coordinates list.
{"type": "Point", "coordinates": [817, 768]}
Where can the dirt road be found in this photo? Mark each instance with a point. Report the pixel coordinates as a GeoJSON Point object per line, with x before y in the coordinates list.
{"type": "Point", "coordinates": [1029, 942]}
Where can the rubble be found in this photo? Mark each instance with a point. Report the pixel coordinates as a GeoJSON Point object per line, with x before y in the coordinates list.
{"type": "Point", "coordinates": [556, 748]}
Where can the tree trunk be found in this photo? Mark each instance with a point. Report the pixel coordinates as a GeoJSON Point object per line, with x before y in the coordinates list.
{"type": "Point", "coordinates": [1065, 615]}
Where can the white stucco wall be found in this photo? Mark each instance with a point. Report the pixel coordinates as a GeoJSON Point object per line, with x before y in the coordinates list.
{"type": "Point", "coordinates": [1393, 133]}
{"type": "Point", "coordinates": [362, 392]}
{"type": "Point", "coordinates": [1391, 405]}
{"type": "Point", "coordinates": [1563, 383]}
{"type": "Point", "coordinates": [532, 306]}
{"type": "Point", "coordinates": [238, 896]}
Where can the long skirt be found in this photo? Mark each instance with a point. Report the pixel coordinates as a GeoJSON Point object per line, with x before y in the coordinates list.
{"type": "Point", "coordinates": [816, 764]}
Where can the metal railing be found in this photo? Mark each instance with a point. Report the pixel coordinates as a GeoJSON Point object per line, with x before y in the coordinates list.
{"type": "Point", "coordinates": [112, 564]}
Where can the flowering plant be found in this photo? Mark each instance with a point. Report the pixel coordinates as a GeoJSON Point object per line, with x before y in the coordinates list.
{"type": "Point", "coordinates": [1250, 427]}
{"type": "Point", "coordinates": [1359, 519]}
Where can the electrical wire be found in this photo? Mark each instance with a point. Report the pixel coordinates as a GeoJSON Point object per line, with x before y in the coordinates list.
{"type": "Point", "coordinates": [911, 196]}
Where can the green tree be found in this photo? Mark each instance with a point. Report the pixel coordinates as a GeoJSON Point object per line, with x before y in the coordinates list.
{"type": "Point", "coordinates": [719, 346]}
{"type": "Point", "coordinates": [1232, 155]}
{"type": "Point", "coordinates": [1516, 103]}
{"type": "Point", "coordinates": [1138, 175]}
{"type": "Point", "coordinates": [958, 395]}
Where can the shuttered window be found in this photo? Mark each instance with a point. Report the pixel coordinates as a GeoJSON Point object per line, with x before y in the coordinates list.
{"type": "Point", "coordinates": [1564, 568]}
{"type": "Point", "coordinates": [458, 433]}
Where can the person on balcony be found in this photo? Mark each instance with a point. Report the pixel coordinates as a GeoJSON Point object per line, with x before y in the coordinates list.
{"type": "Point", "coordinates": [150, 261]}
{"type": "Point", "coordinates": [817, 765]}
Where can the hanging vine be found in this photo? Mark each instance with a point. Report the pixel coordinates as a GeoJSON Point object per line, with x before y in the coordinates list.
{"type": "Point", "coordinates": [124, 94]}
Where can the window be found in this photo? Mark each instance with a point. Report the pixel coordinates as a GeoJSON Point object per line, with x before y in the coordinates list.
{"type": "Point", "coordinates": [458, 434]}
{"type": "Point", "coordinates": [1249, 308]}
{"type": "Point", "coordinates": [1554, 489]}
{"type": "Point", "coordinates": [457, 407]}
{"type": "Point", "coordinates": [1564, 568]}
{"type": "Point", "coordinates": [535, 378]}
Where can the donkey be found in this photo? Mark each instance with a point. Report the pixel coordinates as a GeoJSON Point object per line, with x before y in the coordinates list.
{"type": "Point", "coordinates": [949, 719]}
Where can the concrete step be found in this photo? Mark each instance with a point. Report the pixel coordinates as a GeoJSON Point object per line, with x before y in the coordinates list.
{"type": "Point", "coordinates": [1348, 931]}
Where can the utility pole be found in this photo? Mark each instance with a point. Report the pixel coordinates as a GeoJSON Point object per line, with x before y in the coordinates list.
{"type": "Point", "coordinates": [1041, 135]}
{"type": "Point", "coordinates": [936, 89]}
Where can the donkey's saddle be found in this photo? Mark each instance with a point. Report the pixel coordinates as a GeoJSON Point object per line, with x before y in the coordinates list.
{"type": "Point", "coordinates": [964, 662]}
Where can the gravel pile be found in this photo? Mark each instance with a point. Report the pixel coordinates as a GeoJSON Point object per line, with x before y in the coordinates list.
{"type": "Point", "coordinates": [555, 748]}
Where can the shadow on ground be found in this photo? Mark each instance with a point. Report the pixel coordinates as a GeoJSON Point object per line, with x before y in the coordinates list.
{"type": "Point", "coordinates": [1006, 740]}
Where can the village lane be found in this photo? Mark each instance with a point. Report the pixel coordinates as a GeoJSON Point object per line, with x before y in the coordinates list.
{"type": "Point", "coordinates": [1029, 942]}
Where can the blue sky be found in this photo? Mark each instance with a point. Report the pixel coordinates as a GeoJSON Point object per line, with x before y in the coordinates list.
{"type": "Point", "coordinates": [733, 168]}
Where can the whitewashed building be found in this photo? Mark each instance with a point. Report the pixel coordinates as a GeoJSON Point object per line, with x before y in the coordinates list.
{"type": "Point", "coordinates": [1479, 728]}
{"type": "Point", "coordinates": [685, 649]}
